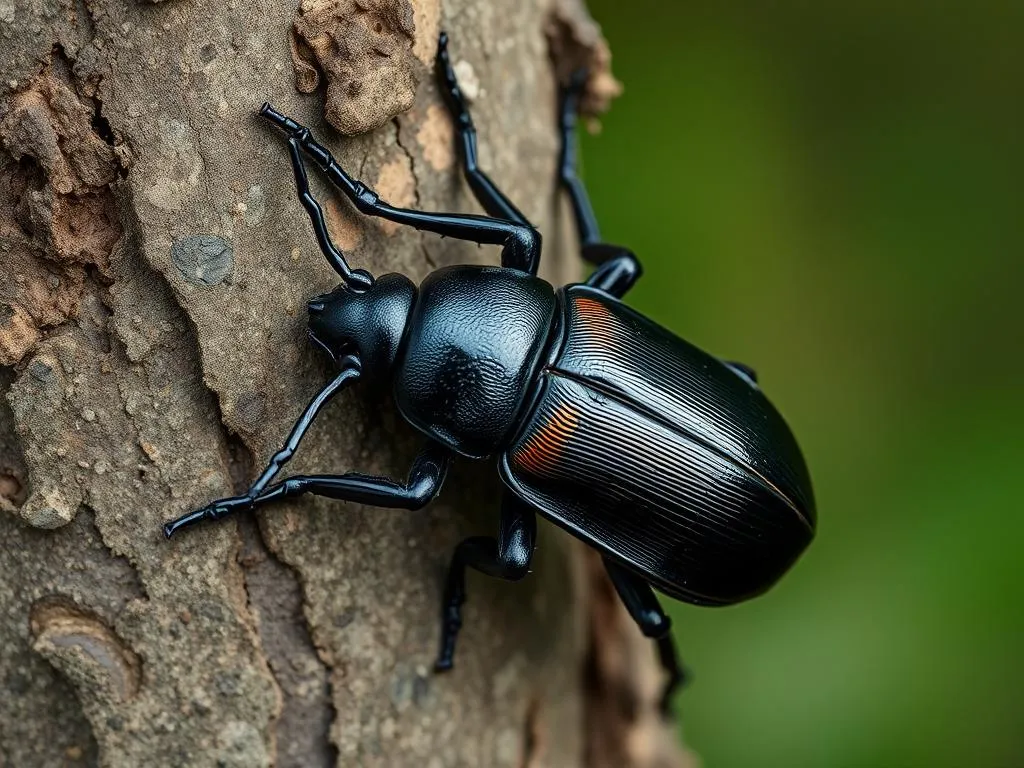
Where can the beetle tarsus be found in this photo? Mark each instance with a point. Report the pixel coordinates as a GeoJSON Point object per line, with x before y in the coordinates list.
{"type": "Point", "coordinates": [196, 516]}
{"type": "Point", "coordinates": [678, 676]}
{"type": "Point", "coordinates": [267, 112]}
{"type": "Point", "coordinates": [506, 556]}
{"type": "Point", "coordinates": [451, 623]}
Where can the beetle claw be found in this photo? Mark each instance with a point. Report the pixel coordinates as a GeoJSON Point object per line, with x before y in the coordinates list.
{"type": "Point", "coordinates": [172, 526]}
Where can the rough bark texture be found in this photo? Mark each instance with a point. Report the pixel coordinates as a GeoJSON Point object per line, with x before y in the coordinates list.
{"type": "Point", "coordinates": [154, 268]}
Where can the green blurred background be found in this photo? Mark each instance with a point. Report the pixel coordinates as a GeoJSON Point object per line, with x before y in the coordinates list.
{"type": "Point", "coordinates": [832, 193]}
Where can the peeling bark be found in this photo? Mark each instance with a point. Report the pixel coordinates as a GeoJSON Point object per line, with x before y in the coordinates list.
{"type": "Point", "coordinates": [155, 266]}
{"type": "Point", "coordinates": [364, 48]}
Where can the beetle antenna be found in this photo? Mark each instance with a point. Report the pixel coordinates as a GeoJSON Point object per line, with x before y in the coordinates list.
{"type": "Point", "coordinates": [298, 139]}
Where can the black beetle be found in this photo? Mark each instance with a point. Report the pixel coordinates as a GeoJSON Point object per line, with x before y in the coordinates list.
{"type": "Point", "coordinates": [668, 461]}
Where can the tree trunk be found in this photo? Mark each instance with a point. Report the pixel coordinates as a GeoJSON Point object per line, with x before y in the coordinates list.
{"type": "Point", "coordinates": [155, 268]}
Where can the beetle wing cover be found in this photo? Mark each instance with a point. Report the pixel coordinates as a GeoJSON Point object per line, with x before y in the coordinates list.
{"type": "Point", "coordinates": [627, 354]}
{"type": "Point", "coordinates": [662, 457]}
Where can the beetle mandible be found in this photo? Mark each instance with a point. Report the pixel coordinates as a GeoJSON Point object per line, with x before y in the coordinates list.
{"type": "Point", "coordinates": [668, 461]}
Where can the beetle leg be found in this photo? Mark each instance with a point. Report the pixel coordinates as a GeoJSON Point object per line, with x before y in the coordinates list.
{"type": "Point", "coordinates": [488, 195]}
{"type": "Point", "coordinates": [506, 557]}
{"type": "Point", "coordinates": [358, 279]}
{"type": "Point", "coordinates": [422, 484]}
{"type": "Point", "coordinates": [586, 221]}
{"type": "Point", "coordinates": [348, 374]}
{"type": "Point", "coordinates": [520, 242]}
{"type": "Point", "coordinates": [668, 656]}
{"type": "Point", "coordinates": [642, 604]}
{"type": "Point", "coordinates": [617, 267]}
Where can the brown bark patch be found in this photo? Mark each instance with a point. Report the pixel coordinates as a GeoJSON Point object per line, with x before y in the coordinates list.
{"type": "Point", "coordinates": [49, 123]}
{"type": "Point", "coordinates": [345, 225]}
{"type": "Point", "coordinates": [576, 42]}
{"type": "Point", "coordinates": [397, 185]}
{"type": "Point", "coordinates": [364, 50]}
{"type": "Point", "coordinates": [58, 217]}
{"type": "Point", "coordinates": [18, 334]}
{"type": "Point", "coordinates": [427, 15]}
{"type": "Point", "coordinates": [436, 136]}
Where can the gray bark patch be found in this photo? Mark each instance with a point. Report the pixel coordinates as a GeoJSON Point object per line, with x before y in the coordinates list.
{"type": "Point", "coordinates": [203, 259]}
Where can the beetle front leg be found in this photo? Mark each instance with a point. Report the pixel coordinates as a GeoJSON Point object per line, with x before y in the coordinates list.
{"type": "Point", "coordinates": [358, 279]}
{"type": "Point", "coordinates": [642, 604]}
{"type": "Point", "coordinates": [421, 485]}
{"type": "Point", "coordinates": [520, 242]}
{"type": "Point", "coordinates": [349, 373]}
{"type": "Point", "coordinates": [506, 557]}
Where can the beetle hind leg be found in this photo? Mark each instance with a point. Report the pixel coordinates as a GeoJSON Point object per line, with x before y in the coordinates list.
{"type": "Point", "coordinates": [586, 221]}
{"type": "Point", "coordinates": [642, 604]}
{"type": "Point", "coordinates": [617, 268]}
{"type": "Point", "coordinates": [668, 656]}
{"type": "Point", "coordinates": [505, 557]}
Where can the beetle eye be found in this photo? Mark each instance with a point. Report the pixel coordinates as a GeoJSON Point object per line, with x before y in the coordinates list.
{"type": "Point", "coordinates": [316, 307]}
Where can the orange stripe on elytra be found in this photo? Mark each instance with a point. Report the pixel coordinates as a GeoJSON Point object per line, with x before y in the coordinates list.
{"type": "Point", "coordinates": [545, 446]}
{"type": "Point", "coordinates": [594, 317]}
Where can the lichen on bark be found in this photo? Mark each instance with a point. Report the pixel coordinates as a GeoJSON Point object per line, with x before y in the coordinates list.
{"type": "Point", "coordinates": [156, 266]}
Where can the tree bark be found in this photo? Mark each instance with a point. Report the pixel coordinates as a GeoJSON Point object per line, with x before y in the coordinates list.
{"type": "Point", "coordinates": [154, 269]}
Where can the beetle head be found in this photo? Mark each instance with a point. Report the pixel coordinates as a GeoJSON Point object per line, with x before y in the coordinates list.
{"type": "Point", "coordinates": [368, 323]}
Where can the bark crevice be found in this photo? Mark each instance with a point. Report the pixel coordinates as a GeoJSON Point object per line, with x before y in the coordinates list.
{"type": "Point", "coordinates": [303, 725]}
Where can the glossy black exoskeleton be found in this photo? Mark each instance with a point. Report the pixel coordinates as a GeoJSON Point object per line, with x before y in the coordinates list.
{"type": "Point", "coordinates": [668, 461]}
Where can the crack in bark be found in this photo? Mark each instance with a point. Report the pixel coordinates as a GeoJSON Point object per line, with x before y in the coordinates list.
{"type": "Point", "coordinates": [412, 162]}
{"type": "Point", "coordinates": [132, 585]}
{"type": "Point", "coordinates": [533, 735]}
{"type": "Point", "coordinates": [303, 725]}
{"type": "Point", "coordinates": [420, 235]}
{"type": "Point", "coordinates": [274, 595]}
{"type": "Point", "coordinates": [13, 470]}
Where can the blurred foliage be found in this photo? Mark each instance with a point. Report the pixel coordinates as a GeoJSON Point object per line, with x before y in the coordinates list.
{"type": "Point", "coordinates": [832, 193]}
